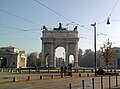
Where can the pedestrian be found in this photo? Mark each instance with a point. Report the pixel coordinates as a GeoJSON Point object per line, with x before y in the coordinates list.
{"type": "Point", "coordinates": [65, 71]}
{"type": "Point", "coordinates": [61, 71]}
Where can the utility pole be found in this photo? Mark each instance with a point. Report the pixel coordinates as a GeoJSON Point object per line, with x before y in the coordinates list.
{"type": "Point", "coordinates": [94, 25]}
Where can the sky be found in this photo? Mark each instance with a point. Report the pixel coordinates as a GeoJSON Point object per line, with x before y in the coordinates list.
{"type": "Point", "coordinates": [21, 21]}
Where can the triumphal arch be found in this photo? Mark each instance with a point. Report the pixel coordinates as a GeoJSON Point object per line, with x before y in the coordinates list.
{"type": "Point", "coordinates": [51, 39]}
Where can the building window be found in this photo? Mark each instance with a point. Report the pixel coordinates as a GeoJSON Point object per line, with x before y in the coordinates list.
{"type": "Point", "coordinates": [13, 63]}
{"type": "Point", "coordinates": [117, 51]}
{"type": "Point", "coordinates": [7, 50]}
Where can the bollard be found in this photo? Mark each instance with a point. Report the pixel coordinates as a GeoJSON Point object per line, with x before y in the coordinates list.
{"type": "Point", "coordinates": [11, 71]}
{"type": "Point", "coordinates": [116, 81]}
{"type": "Point", "coordinates": [93, 83]}
{"type": "Point", "coordinates": [109, 83]}
{"type": "Point", "coordinates": [29, 78]}
{"type": "Point", "coordinates": [17, 71]}
{"type": "Point", "coordinates": [41, 77]}
{"type": "Point", "coordinates": [83, 70]}
{"type": "Point", "coordinates": [61, 75]}
{"type": "Point", "coordinates": [14, 79]}
{"type": "Point", "coordinates": [58, 70]}
{"type": "Point", "coordinates": [79, 75]}
{"type": "Point", "coordinates": [114, 70]}
{"type": "Point", "coordinates": [87, 74]}
{"type": "Point", "coordinates": [101, 82]}
{"type": "Point", "coordinates": [69, 85]}
{"type": "Point", "coordinates": [29, 71]}
{"type": "Point", "coordinates": [83, 84]}
{"type": "Point", "coordinates": [20, 71]}
{"type": "Point", "coordinates": [52, 76]}
{"type": "Point", "coordinates": [92, 70]}
{"type": "Point", "coordinates": [1, 70]}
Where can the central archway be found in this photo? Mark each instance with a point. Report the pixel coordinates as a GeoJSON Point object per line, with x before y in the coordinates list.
{"type": "Point", "coordinates": [60, 56]}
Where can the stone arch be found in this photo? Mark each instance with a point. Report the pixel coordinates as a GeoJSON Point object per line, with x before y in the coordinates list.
{"type": "Point", "coordinates": [118, 63]}
{"type": "Point", "coordinates": [3, 62]}
{"type": "Point", "coordinates": [53, 39]}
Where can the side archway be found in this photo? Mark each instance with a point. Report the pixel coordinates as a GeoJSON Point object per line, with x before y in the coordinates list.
{"type": "Point", "coordinates": [118, 63]}
{"type": "Point", "coordinates": [3, 62]}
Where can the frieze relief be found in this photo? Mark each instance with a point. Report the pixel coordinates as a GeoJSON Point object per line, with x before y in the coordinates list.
{"type": "Point", "coordinates": [60, 34]}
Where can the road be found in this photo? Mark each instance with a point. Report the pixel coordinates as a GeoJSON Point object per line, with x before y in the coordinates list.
{"type": "Point", "coordinates": [54, 83]}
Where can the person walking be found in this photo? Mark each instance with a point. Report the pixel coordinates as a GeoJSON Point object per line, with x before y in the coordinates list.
{"type": "Point", "coordinates": [61, 72]}
{"type": "Point", "coordinates": [65, 71]}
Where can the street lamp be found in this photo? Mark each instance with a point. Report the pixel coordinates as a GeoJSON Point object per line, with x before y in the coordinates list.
{"type": "Point", "coordinates": [94, 25]}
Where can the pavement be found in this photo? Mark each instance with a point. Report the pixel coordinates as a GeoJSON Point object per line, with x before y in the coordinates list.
{"type": "Point", "coordinates": [6, 81]}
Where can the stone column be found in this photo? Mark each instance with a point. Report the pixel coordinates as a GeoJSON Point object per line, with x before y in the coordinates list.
{"type": "Point", "coordinates": [66, 54]}
{"type": "Point", "coordinates": [51, 55]}
{"type": "Point", "coordinates": [76, 56]}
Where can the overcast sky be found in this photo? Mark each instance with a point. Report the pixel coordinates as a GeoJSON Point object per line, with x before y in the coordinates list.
{"type": "Point", "coordinates": [21, 21]}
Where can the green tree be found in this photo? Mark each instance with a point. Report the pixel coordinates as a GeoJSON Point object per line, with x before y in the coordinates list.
{"type": "Point", "coordinates": [32, 59]}
{"type": "Point", "coordinates": [80, 60]}
{"type": "Point", "coordinates": [88, 58]}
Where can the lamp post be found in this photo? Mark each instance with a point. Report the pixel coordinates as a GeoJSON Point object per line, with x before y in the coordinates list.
{"type": "Point", "coordinates": [94, 25]}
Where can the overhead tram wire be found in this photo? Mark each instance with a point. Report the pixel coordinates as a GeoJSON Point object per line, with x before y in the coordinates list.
{"type": "Point", "coordinates": [113, 8]}
{"type": "Point", "coordinates": [108, 18]}
{"type": "Point", "coordinates": [19, 30]}
{"type": "Point", "coordinates": [17, 38]}
{"type": "Point", "coordinates": [19, 17]}
{"type": "Point", "coordinates": [52, 10]}
{"type": "Point", "coordinates": [60, 14]}
{"type": "Point", "coordinates": [83, 26]}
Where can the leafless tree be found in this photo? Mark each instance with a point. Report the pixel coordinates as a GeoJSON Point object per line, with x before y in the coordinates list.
{"type": "Point", "coordinates": [107, 53]}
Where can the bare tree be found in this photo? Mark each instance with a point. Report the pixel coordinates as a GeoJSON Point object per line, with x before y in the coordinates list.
{"type": "Point", "coordinates": [107, 53]}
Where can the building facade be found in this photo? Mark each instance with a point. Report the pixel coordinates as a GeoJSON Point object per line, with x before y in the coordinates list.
{"type": "Point", "coordinates": [11, 57]}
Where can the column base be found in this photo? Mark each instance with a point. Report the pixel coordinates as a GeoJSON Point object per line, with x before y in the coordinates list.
{"type": "Point", "coordinates": [43, 64]}
{"type": "Point", "coordinates": [76, 64]}
{"type": "Point", "coordinates": [52, 64]}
